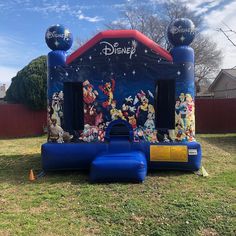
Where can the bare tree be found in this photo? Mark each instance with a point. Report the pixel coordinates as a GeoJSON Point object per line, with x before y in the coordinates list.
{"type": "Point", "coordinates": [207, 59]}
{"type": "Point", "coordinates": [146, 20]}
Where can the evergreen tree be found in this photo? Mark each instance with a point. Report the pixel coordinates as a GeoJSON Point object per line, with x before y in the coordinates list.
{"type": "Point", "coordinates": [29, 85]}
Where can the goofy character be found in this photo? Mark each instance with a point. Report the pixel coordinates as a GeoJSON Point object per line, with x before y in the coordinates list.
{"type": "Point", "coordinates": [108, 89]}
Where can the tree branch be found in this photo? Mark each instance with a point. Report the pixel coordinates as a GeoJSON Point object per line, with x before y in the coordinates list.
{"type": "Point", "coordinates": [227, 36]}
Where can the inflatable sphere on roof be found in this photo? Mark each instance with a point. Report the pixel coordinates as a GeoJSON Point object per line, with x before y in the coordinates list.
{"type": "Point", "coordinates": [58, 37]}
{"type": "Point", "coordinates": [181, 32]}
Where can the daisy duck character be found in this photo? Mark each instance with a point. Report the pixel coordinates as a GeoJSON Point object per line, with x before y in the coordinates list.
{"type": "Point", "coordinates": [108, 89]}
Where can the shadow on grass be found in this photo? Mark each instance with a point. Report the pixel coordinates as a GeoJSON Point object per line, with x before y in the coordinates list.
{"type": "Point", "coordinates": [227, 143]}
{"type": "Point", "coordinates": [163, 173]}
{"type": "Point", "coordinates": [15, 170]}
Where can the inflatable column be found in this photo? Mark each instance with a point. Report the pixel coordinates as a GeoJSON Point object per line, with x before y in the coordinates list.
{"type": "Point", "coordinates": [59, 40]}
{"type": "Point", "coordinates": [181, 33]}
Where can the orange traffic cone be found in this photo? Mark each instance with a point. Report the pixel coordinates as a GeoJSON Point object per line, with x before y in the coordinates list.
{"type": "Point", "coordinates": [31, 175]}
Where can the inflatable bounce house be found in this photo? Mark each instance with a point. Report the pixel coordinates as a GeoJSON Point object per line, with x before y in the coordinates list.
{"type": "Point", "coordinates": [121, 104]}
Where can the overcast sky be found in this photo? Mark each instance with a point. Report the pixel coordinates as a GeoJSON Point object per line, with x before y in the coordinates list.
{"type": "Point", "coordinates": [24, 22]}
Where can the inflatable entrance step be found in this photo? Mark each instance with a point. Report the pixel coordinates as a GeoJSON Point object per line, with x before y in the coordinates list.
{"type": "Point", "coordinates": [119, 167]}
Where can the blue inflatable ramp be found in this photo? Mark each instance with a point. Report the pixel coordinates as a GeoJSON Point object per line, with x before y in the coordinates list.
{"type": "Point", "coordinates": [119, 167]}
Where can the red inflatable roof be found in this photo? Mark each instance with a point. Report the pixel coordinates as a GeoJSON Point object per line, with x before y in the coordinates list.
{"type": "Point", "coordinates": [120, 34]}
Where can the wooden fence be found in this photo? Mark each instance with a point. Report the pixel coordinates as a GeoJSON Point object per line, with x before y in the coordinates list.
{"type": "Point", "coordinates": [216, 115]}
{"type": "Point", "coordinates": [18, 121]}
{"type": "Point", "coordinates": [212, 116]}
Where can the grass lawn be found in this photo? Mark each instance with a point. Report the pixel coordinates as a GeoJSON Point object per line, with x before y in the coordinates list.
{"type": "Point", "coordinates": [167, 203]}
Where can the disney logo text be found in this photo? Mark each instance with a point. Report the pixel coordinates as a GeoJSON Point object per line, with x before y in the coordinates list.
{"type": "Point", "coordinates": [114, 48]}
{"type": "Point", "coordinates": [54, 34]}
{"type": "Point", "coordinates": [176, 30]}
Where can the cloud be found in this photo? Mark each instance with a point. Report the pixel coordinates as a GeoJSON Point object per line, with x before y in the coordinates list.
{"type": "Point", "coordinates": [60, 8]}
{"type": "Point", "coordinates": [81, 16]}
{"type": "Point", "coordinates": [51, 8]}
{"type": "Point", "coordinates": [6, 74]}
{"type": "Point", "coordinates": [215, 15]}
{"type": "Point", "coordinates": [217, 18]}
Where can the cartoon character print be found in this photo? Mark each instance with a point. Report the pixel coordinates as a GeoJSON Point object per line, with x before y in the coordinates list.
{"type": "Point", "coordinates": [190, 104]}
{"type": "Point", "coordinates": [89, 94]}
{"type": "Point", "coordinates": [108, 89]}
{"type": "Point", "coordinates": [89, 134]}
{"type": "Point", "coordinates": [57, 107]}
{"type": "Point", "coordinates": [98, 118]}
{"type": "Point", "coordinates": [180, 135]}
{"type": "Point", "coordinates": [143, 109]}
{"type": "Point", "coordinates": [127, 108]}
{"type": "Point", "coordinates": [184, 110]}
{"type": "Point", "coordinates": [93, 133]}
{"type": "Point", "coordinates": [57, 134]}
{"type": "Point", "coordinates": [145, 134]}
{"type": "Point", "coordinates": [101, 132]}
{"type": "Point", "coordinates": [149, 124]}
{"type": "Point", "coordinates": [138, 112]}
{"type": "Point", "coordinates": [89, 97]}
{"type": "Point", "coordinates": [190, 110]}
{"type": "Point", "coordinates": [115, 113]}
{"type": "Point", "coordinates": [89, 114]}
{"type": "Point", "coordinates": [138, 134]}
{"type": "Point", "coordinates": [132, 120]}
{"type": "Point", "coordinates": [177, 109]}
{"type": "Point", "coordinates": [153, 138]}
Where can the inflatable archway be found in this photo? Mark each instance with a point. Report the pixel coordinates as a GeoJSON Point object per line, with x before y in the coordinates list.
{"type": "Point", "coordinates": [121, 77]}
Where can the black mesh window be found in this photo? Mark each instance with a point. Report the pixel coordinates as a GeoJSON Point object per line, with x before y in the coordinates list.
{"type": "Point", "coordinates": [165, 104]}
{"type": "Point", "coordinates": [73, 106]}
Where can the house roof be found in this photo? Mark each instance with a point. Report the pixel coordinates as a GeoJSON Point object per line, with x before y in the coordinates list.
{"type": "Point", "coordinates": [120, 34]}
{"type": "Point", "coordinates": [231, 73]}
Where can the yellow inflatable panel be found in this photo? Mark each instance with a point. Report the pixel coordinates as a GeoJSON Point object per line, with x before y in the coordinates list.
{"type": "Point", "coordinates": [169, 153]}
